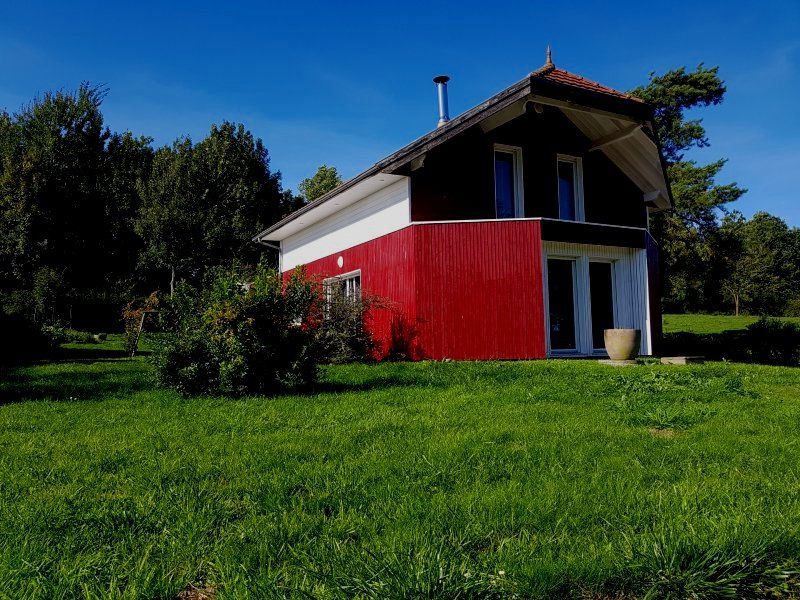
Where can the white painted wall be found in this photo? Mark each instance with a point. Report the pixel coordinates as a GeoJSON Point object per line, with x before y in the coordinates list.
{"type": "Point", "coordinates": [631, 306]}
{"type": "Point", "coordinates": [381, 212]}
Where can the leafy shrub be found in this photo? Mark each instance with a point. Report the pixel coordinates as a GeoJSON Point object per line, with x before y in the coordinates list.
{"type": "Point", "coordinates": [132, 316]}
{"type": "Point", "coordinates": [238, 338]}
{"type": "Point", "coordinates": [343, 335]}
{"type": "Point", "coordinates": [773, 341]}
{"type": "Point", "coordinates": [767, 341]}
{"type": "Point", "coordinates": [26, 340]}
{"type": "Point", "coordinates": [79, 337]}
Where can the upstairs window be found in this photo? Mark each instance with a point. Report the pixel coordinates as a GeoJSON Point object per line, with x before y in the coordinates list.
{"type": "Point", "coordinates": [508, 192]}
{"type": "Point", "coordinates": [570, 188]}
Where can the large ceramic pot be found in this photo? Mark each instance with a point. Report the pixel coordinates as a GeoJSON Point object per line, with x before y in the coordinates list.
{"type": "Point", "coordinates": [622, 344]}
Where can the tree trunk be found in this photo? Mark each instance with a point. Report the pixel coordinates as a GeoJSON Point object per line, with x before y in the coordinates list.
{"type": "Point", "coordinates": [172, 281]}
{"type": "Point", "coordinates": [736, 304]}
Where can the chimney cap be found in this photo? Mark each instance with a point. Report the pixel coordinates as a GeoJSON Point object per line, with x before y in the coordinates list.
{"type": "Point", "coordinates": [441, 79]}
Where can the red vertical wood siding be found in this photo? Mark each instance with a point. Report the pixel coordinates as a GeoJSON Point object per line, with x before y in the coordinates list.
{"type": "Point", "coordinates": [479, 290]}
{"type": "Point", "coordinates": [387, 271]}
{"type": "Point", "coordinates": [467, 291]}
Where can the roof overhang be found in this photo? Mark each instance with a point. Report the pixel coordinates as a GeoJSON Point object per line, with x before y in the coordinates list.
{"type": "Point", "coordinates": [601, 117]}
{"type": "Point", "coordinates": [632, 147]}
{"type": "Point", "coordinates": [318, 210]}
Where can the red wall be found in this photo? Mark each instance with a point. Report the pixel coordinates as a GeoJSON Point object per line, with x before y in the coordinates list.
{"type": "Point", "coordinates": [456, 290]}
{"type": "Point", "coordinates": [479, 290]}
{"type": "Point", "coordinates": [387, 271]}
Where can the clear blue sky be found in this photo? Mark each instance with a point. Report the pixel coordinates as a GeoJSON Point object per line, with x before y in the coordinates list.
{"type": "Point", "coordinates": [347, 85]}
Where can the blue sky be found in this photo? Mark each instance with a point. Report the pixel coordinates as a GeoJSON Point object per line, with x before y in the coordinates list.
{"type": "Point", "coordinates": [348, 83]}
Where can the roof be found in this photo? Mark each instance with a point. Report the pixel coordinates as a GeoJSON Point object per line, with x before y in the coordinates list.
{"type": "Point", "coordinates": [565, 77]}
{"type": "Point", "coordinates": [547, 82]}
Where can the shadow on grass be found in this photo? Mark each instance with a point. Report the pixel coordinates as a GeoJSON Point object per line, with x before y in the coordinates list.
{"type": "Point", "coordinates": [371, 384]}
{"type": "Point", "coordinates": [69, 374]}
{"type": "Point", "coordinates": [766, 342]}
{"type": "Point", "coordinates": [20, 384]}
{"type": "Point", "coordinates": [94, 373]}
{"type": "Point", "coordinates": [91, 354]}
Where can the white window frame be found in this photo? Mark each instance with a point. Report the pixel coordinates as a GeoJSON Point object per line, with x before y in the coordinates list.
{"type": "Point", "coordinates": [344, 277]}
{"type": "Point", "coordinates": [519, 181]}
{"type": "Point", "coordinates": [577, 184]}
{"type": "Point", "coordinates": [576, 319]}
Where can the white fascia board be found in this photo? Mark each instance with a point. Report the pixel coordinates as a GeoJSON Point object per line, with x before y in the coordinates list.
{"type": "Point", "coordinates": [361, 190]}
{"type": "Point", "coordinates": [382, 212]}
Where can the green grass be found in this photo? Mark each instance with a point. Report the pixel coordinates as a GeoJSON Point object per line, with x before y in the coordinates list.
{"type": "Point", "coordinates": [527, 479]}
{"type": "Point", "coordinates": [704, 324]}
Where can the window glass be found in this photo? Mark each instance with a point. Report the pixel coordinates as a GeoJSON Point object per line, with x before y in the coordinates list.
{"type": "Point", "coordinates": [504, 193]}
{"type": "Point", "coordinates": [561, 302]}
{"type": "Point", "coordinates": [348, 287]}
{"type": "Point", "coordinates": [566, 190]}
{"type": "Point", "coordinates": [601, 292]}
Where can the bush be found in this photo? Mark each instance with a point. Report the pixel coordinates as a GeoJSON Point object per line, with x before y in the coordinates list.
{"type": "Point", "coordinates": [79, 337]}
{"type": "Point", "coordinates": [767, 341]}
{"type": "Point", "coordinates": [772, 341]}
{"type": "Point", "coordinates": [237, 338]}
{"type": "Point", "coordinates": [24, 340]}
{"type": "Point", "coordinates": [343, 335]}
{"type": "Point", "coordinates": [132, 317]}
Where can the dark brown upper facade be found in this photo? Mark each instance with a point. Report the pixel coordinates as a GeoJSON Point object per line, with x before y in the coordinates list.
{"type": "Point", "coordinates": [456, 180]}
{"type": "Point", "coordinates": [606, 136]}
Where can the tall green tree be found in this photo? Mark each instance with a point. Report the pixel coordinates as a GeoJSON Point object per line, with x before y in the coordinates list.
{"type": "Point", "coordinates": [203, 203]}
{"type": "Point", "coordinates": [128, 163]}
{"type": "Point", "coordinates": [689, 234]}
{"type": "Point", "coordinates": [763, 273]}
{"type": "Point", "coordinates": [323, 181]}
{"type": "Point", "coordinates": [52, 202]}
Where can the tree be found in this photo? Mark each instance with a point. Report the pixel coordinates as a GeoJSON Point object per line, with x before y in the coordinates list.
{"type": "Point", "coordinates": [203, 203]}
{"type": "Point", "coordinates": [323, 181]}
{"type": "Point", "coordinates": [762, 264]}
{"type": "Point", "coordinates": [168, 222]}
{"type": "Point", "coordinates": [128, 163]}
{"type": "Point", "coordinates": [688, 235]}
{"type": "Point", "coordinates": [51, 195]}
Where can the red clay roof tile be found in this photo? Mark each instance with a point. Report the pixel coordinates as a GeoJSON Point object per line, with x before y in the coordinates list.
{"type": "Point", "coordinates": [554, 74]}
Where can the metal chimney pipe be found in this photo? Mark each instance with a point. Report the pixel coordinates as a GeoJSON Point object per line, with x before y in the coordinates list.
{"type": "Point", "coordinates": [441, 90]}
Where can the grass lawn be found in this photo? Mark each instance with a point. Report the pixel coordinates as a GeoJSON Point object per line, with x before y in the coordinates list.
{"type": "Point", "coordinates": [527, 479]}
{"type": "Point", "coordinates": [703, 324]}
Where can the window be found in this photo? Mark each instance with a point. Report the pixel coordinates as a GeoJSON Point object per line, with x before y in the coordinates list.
{"type": "Point", "coordinates": [570, 188]}
{"type": "Point", "coordinates": [346, 286]}
{"type": "Point", "coordinates": [508, 192]}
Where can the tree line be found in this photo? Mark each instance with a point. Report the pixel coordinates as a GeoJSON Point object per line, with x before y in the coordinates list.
{"type": "Point", "coordinates": [713, 259]}
{"type": "Point", "coordinates": [92, 218]}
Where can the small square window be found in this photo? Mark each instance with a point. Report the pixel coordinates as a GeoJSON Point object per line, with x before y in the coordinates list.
{"type": "Point", "coordinates": [346, 286]}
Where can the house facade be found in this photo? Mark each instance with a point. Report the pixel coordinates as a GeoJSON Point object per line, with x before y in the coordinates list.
{"type": "Point", "coordinates": [516, 230]}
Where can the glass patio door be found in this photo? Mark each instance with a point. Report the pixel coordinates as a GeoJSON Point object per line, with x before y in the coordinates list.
{"type": "Point", "coordinates": [561, 283]}
{"type": "Point", "coordinates": [601, 296]}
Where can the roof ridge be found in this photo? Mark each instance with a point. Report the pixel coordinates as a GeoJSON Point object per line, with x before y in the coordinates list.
{"type": "Point", "coordinates": [562, 74]}
{"type": "Point", "coordinates": [545, 68]}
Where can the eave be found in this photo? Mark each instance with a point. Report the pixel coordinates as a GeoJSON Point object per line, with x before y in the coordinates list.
{"type": "Point", "coordinates": [608, 114]}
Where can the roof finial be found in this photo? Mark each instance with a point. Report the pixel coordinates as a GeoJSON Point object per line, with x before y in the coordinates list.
{"type": "Point", "coordinates": [549, 61]}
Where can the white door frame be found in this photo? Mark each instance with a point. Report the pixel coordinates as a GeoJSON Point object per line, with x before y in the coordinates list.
{"type": "Point", "coordinates": [629, 289]}
{"type": "Point", "coordinates": [576, 282]}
